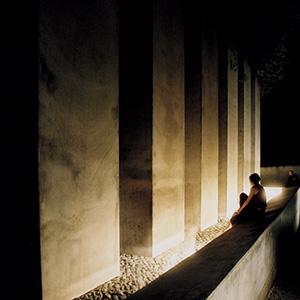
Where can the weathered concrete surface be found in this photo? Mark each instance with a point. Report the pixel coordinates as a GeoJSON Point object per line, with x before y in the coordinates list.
{"type": "Point", "coordinates": [253, 275]}
{"type": "Point", "coordinates": [232, 135]}
{"type": "Point", "coordinates": [277, 176]}
{"type": "Point", "coordinates": [240, 269]}
{"type": "Point", "coordinates": [257, 127]}
{"type": "Point", "coordinates": [136, 128]}
{"type": "Point", "coordinates": [247, 127]}
{"type": "Point", "coordinates": [192, 123]}
{"type": "Point", "coordinates": [286, 284]}
{"type": "Point", "coordinates": [152, 128]}
{"type": "Point", "coordinates": [223, 127]}
{"type": "Point", "coordinates": [228, 131]}
{"type": "Point", "coordinates": [168, 125]}
{"type": "Point", "coordinates": [240, 123]}
{"type": "Point", "coordinates": [255, 124]}
{"type": "Point", "coordinates": [78, 127]}
{"type": "Point", "coordinates": [209, 128]}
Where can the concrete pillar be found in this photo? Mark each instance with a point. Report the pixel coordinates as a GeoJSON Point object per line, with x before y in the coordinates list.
{"type": "Point", "coordinates": [168, 125]}
{"type": "Point", "coordinates": [78, 130]}
{"type": "Point", "coordinates": [257, 127]}
{"type": "Point", "coordinates": [192, 123]}
{"type": "Point", "coordinates": [223, 127]}
{"type": "Point", "coordinates": [228, 131]}
{"type": "Point", "coordinates": [244, 125]}
{"type": "Point", "coordinates": [247, 126]}
{"type": "Point", "coordinates": [232, 159]}
{"type": "Point", "coordinates": [240, 123]}
{"type": "Point", "coordinates": [253, 125]}
{"type": "Point", "coordinates": [209, 129]}
{"type": "Point", "coordinates": [152, 162]}
{"type": "Point", "coordinates": [136, 127]}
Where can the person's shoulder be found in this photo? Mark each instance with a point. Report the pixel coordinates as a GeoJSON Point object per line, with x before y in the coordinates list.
{"type": "Point", "coordinates": [255, 189]}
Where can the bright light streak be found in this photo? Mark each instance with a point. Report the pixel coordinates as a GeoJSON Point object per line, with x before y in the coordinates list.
{"type": "Point", "coordinates": [272, 192]}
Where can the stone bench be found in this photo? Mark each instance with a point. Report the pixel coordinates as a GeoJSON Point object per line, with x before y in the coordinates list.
{"type": "Point", "coordinates": [239, 264]}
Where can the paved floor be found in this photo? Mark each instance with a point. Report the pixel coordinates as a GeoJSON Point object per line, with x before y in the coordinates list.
{"type": "Point", "coordinates": [287, 282]}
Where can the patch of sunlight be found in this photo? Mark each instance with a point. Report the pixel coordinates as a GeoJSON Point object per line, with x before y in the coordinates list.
{"type": "Point", "coordinates": [272, 191]}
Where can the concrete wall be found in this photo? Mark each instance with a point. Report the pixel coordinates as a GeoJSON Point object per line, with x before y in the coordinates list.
{"type": "Point", "coordinates": [209, 128]}
{"type": "Point", "coordinates": [168, 125]}
{"type": "Point", "coordinates": [242, 282]}
{"type": "Point", "coordinates": [192, 123]}
{"type": "Point", "coordinates": [78, 127]}
{"type": "Point", "coordinates": [277, 176]}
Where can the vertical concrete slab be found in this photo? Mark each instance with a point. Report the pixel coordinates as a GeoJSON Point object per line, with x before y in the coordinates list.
{"type": "Point", "coordinates": [257, 127]}
{"type": "Point", "coordinates": [240, 123]}
{"type": "Point", "coordinates": [168, 125]}
{"type": "Point", "coordinates": [209, 128]}
{"type": "Point", "coordinates": [253, 125]}
{"type": "Point", "coordinates": [228, 130]}
{"type": "Point", "coordinates": [192, 122]}
{"type": "Point", "coordinates": [78, 129]}
{"type": "Point", "coordinates": [232, 129]}
{"type": "Point", "coordinates": [223, 127]}
{"type": "Point", "coordinates": [136, 127]}
{"type": "Point", "coordinates": [247, 126]}
{"type": "Point", "coordinates": [151, 126]}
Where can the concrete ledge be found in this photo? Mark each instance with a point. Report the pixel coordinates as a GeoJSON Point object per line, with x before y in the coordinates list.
{"type": "Point", "coordinates": [240, 264]}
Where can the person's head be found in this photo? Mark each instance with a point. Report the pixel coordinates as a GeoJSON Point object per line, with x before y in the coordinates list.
{"type": "Point", "coordinates": [291, 172]}
{"type": "Point", "coordinates": [254, 178]}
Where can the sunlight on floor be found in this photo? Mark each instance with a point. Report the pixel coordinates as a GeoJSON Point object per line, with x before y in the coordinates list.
{"type": "Point", "coordinates": [272, 192]}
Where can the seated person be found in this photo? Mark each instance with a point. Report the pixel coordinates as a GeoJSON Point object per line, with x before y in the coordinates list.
{"type": "Point", "coordinates": [252, 206]}
{"type": "Point", "coordinates": [293, 179]}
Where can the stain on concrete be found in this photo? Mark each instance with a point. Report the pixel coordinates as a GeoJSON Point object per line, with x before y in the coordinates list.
{"type": "Point", "coordinates": [60, 156]}
{"type": "Point", "coordinates": [47, 76]}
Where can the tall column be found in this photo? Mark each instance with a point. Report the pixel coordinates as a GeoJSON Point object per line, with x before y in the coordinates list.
{"type": "Point", "coordinates": [152, 127]}
{"type": "Point", "coordinates": [253, 125]}
{"type": "Point", "coordinates": [228, 131]}
{"type": "Point", "coordinates": [223, 127]}
{"type": "Point", "coordinates": [192, 122]}
{"type": "Point", "coordinates": [247, 126]}
{"type": "Point", "coordinates": [257, 127]}
{"type": "Point", "coordinates": [240, 123]}
{"type": "Point", "coordinates": [78, 130]}
{"type": "Point", "coordinates": [136, 127]}
{"type": "Point", "coordinates": [168, 125]}
{"type": "Point", "coordinates": [209, 129]}
{"type": "Point", "coordinates": [232, 160]}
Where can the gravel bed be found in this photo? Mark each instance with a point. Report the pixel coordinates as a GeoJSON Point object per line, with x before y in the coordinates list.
{"type": "Point", "coordinates": [138, 271]}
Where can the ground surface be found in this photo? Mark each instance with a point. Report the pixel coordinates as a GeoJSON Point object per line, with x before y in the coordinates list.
{"type": "Point", "coordinates": [138, 271]}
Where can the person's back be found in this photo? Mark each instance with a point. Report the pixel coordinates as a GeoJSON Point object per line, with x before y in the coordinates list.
{"type": "Point", "coordinates": [252, 206]}
{"type": "Point", "coordinates": [259, 200]}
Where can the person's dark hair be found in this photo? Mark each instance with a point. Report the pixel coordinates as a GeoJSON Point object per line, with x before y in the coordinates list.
{"type": "Point", "coordinates": [255, 178]}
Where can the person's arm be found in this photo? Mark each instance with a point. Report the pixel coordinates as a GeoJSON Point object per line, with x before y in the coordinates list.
{"type": "Point", "coordinates": [252, 193]}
